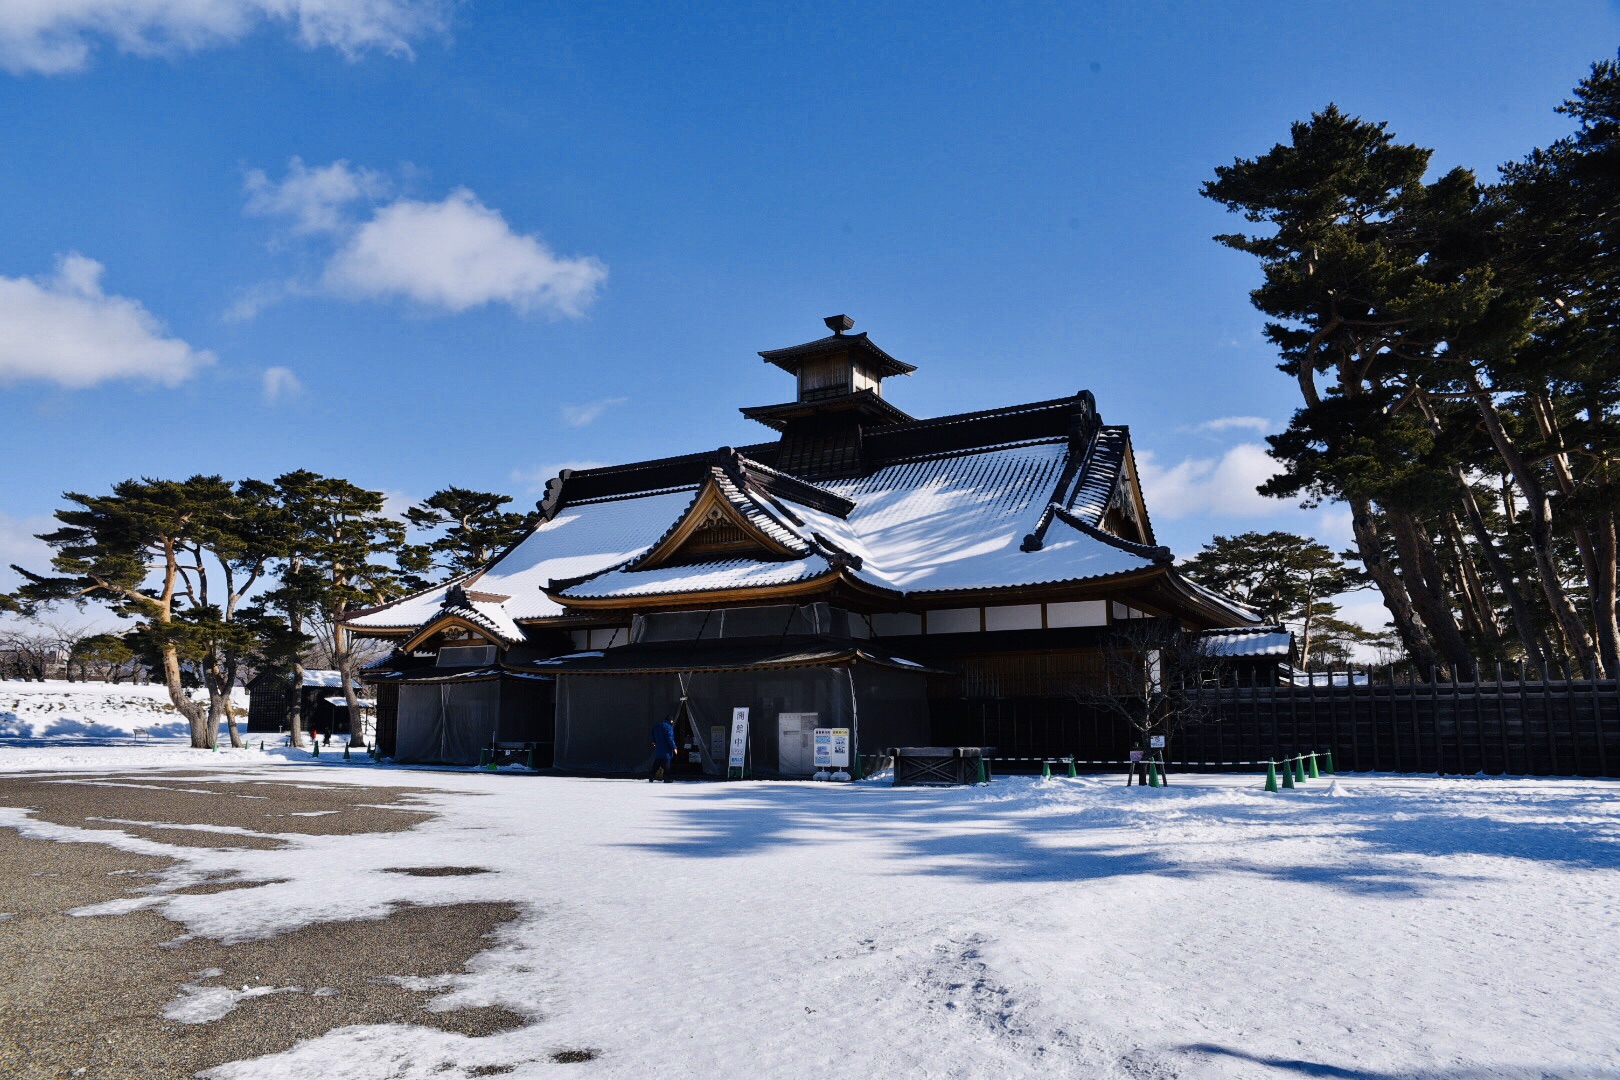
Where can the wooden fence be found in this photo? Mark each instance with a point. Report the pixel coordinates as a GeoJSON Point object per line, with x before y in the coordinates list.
{"type": "Point", "coordinates": [1383, 720]}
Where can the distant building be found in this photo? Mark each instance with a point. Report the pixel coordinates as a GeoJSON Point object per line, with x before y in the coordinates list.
{"type": "Point", "coordinates": [324, 708]}
{"type": "Point", "coordinates": [862, 569]}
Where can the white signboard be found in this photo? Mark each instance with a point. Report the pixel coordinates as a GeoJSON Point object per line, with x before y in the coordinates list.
{"type": "Point", "coordinates": [1156, 742]}
{"type": "Point", "coordinates": [831, 747]}
{"type": "Point", "coordinates": [739, 738]}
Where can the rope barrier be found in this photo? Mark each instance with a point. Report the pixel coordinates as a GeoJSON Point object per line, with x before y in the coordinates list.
{"type": "Point", "coordinates": [1296, 771]}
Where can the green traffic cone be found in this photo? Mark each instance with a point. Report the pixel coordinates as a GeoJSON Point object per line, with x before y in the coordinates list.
{"type": "Point", "coordinates": [1288, 776]}
{"type": "Point", "coordinates": [1315, 773]}
{"type": "Point", "coordinates": [1327, 762]}
{"type": "Point", "coordinates": [983, 779]}
{"type": "Point", "coordinates": [1153, 774]}
{"type": "Point", "coordinates": [345, 751]}
{"type": "Point", "coordinates": [1046, 769]}
{"type": "Point", "coordinates": [315, 747]}
{"type": "Point", "coordinates": [1072, 773]}
{"type": "Point", "coordinates": [1271, 776]}
{"type": "Point", "coordinates": [261, 746]}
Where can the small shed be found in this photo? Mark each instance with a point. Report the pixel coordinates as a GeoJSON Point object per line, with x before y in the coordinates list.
{"type": "Point", "coordinates": [1252, 655]}
{"type": "Point", "coordinates": [323, 706]}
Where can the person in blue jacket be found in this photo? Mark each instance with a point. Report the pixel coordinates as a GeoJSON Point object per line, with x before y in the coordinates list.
{"type": "Point", "coordinates": [663, 741]}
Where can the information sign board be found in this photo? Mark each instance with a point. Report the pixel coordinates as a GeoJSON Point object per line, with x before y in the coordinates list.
{"type": "Point", "coordinates": [831, 747]}
{"type": "Point", "coordinates": [1156, 742]}
{"type": "Point", "coordinates": [739, 738]}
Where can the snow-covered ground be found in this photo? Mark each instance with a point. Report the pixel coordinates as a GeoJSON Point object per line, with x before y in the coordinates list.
{"type": "Point", "coordinates": [1368, 927]}
{"type": "Point", "coordinates": [58, 710]}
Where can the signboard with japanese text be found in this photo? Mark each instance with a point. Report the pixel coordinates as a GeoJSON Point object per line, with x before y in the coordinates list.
{"type": "Point", "coordinates": [739, 738]}
{"type": "Point", "coordinates": [831, 747]}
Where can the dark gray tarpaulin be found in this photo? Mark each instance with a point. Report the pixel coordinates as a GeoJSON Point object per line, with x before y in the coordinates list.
{"type": "Point", "coordinates": [448, 719]}
{"type": "Point", "coordinates": [607, 702]}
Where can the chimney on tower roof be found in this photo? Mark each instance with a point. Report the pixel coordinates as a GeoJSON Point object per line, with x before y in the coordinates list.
{"type": "Point", "coordinates": [838, 323]}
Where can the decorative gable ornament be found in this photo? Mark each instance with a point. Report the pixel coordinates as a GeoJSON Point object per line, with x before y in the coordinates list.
{"type": "Point", "coordinates": [720, 523]}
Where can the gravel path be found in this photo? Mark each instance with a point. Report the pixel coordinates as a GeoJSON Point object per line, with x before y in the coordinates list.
{"type": "Point", "coordinates": [126, 996]}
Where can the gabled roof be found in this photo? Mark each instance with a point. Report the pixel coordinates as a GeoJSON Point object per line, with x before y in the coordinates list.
{"type": "Point", "coordinates": [722, 499]}
{"type": "Point", "coordinates": [475, 610]}
{"type": "Point", "coordinates": [933, 525]}
{"type": "Point", "coordinates": [945, 510]}
{"type": "Point", "coordinates": [582, 539]}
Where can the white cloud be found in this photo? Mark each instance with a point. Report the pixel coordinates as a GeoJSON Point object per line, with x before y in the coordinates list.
{"type": "Point", "coordinates": [314, 199]}
{"type": "Point", "coordinates": [450, 255]}
{"type": "Point", "coordinates": [65, 329]}
{"type": "Point", "coordinates": [255, 298]}
{"type": "Point", "coordinates": [1235, 423]}
{"type": "Point", "coordinates": [395, 503]}
{"type": "Point", "coordinates": [1222, 487]}
{"type": "Point", "coordinates": [18, 544]}
{"type": "Point", "coordinates": [1365, 608]}
{"type": "Point", "coordinates": [580, 415]}
{"type": "Point", "coordinates": [55, 36]}
{"type": "Point", "coordinates": [534, 479]}
{"type": "Point", "coordinates": [458, 254]}
{"type": "Point", "coordinates": [280, 384]}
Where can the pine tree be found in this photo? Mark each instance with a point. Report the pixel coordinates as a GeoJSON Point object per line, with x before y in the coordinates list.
{"type": "Point", "coordinates": [1284, 576]}
{"type": "Point", "coordinates": [472, 530]}
{"type": "Point", "coordinates": [338, 559]}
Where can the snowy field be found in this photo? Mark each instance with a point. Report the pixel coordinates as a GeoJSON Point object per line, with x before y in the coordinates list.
{"type": "Point", "coordinates": [57, 710]}
{"type": "Point", "coordinates": [1369, 927]}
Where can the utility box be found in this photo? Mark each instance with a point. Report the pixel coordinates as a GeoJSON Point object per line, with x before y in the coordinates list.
{"type": "Point", "coordinates": [938, 766]}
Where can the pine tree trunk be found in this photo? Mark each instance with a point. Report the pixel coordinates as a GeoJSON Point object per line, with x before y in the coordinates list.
{"type": "Point", "coordinates": [348, 669]}
{"type": "Point", "coordinates": [195, 712]}
{"type": "Point", "coordinates": [1539, 509]}
{"type": "Point", "coordinates": [1606, 595]}
{"type": "Point", "coordinates": [1413, 634]}
{"type": "Point", "coordinates": [1479, 614]}
{"type": "Point", "coordinates": [1595, 544]}
{"type": "Point", "coordinates": [295, 711]}
{"type": "Point", "coordinates": [1524, 621]}
{"type": "Point", "coordinates": [1426, 585]}
{"type": "Point", "coordinates": [230, 710]}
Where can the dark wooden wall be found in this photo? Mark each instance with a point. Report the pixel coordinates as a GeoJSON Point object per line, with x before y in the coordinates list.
{"type": "Point", "coordinates": [386, 695]}
{"type": "Point", "coordinates": [1385, 724]}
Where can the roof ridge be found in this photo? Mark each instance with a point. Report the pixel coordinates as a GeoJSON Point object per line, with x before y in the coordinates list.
{"type": "Point", "coordinates": [1154, 552]}
{"type": "Point", "coordinates": [941, 455]}
{"type": "Point", "coordinates": [355, 613]}
{"type": "Point", "coordinates": [810, 493]}
{"type": "Point", "coordinates": [978, 414]}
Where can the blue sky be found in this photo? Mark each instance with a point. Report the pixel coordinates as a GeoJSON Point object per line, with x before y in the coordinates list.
{"type": "Point", "coordinates": [418, 244]}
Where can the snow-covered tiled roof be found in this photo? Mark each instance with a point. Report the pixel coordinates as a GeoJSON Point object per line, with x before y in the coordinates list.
{"type": "Point", "coordinates": [932, 525]}
{"type": "Point", "coordinates": [489, 615]}
{"type": "Point", "coordinates": [582, 539]}
{"type": "Point", "coordinates": [937, 523]}
{"type": "Point", "coordinates": [698, 577]}
{"type": "Point", "coordinates": [956, 522]}
{"type": "Point", "coordinates": [1258, 641]}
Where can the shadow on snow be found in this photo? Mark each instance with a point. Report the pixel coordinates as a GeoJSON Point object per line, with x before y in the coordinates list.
{"type": "Point", "coordinates": [1038, 832]}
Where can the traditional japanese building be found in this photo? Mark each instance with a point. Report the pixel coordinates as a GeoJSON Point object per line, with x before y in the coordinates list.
{"type": "Point", "coordinates": [861, 568]}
